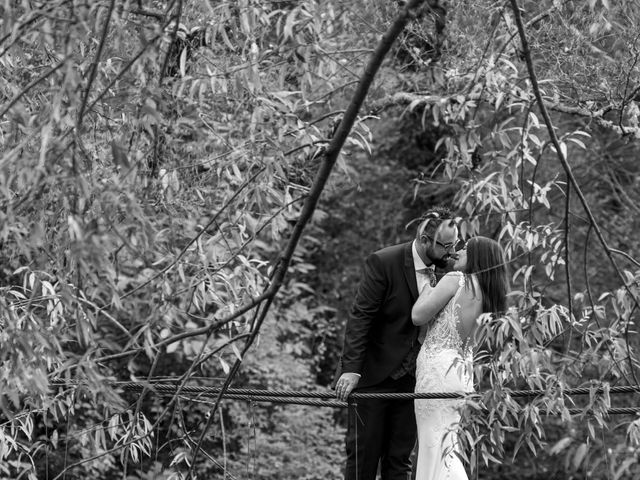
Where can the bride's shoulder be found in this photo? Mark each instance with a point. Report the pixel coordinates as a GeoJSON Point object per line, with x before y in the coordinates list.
{"type": "Point", "coordinates": [456, 276]}
{"type": "Point", "coordinates": [449, 283]}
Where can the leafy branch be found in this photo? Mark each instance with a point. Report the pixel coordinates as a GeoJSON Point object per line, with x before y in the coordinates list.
{"type": "Point", "coordinates": [328, 161]}
{"type": "Point", "coordinates": [526, 51]}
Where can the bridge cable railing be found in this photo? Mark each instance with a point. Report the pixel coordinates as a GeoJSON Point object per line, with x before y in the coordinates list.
{"type": "Point", "coordinates": [328, 398]}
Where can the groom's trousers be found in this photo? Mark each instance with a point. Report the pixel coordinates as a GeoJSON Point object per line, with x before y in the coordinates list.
{"type": "Point", "coordinates": [381, 433]}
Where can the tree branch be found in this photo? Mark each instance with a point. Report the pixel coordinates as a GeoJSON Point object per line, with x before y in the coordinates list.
{"type": "Point", "coordinates": [94, 66]}
{"type": "Point", "coordinates": [146, 13]}
{"type": "Point", "coordinates": [35, 15]}
{"type": "Point", "coordinates": [35, 82]}
{"type": "Point", "coordinates": [404, 98]}
{"type": "Point", "coordinates": [198, 235]}
{"type": "Point", "coordinates": [597, 117]}
{"type": "Point", "coordinates": [331, 155]}
{"type": "Point", "coordinates": [567, 261]}
{"type": "Point", "coordinates": [113, 81]}
{"type": "Point", "coordinates": [563, 161]}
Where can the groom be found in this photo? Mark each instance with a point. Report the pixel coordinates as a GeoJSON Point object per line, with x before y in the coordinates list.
{"type": "Point", "coordinates": [381, 345]}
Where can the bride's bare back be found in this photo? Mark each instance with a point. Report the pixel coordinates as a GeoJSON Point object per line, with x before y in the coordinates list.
{"type": "Point", "coordinates": [444, 364]}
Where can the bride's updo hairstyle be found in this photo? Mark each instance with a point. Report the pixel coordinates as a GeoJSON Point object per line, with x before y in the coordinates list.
{"type": "Point", "coordinates": [486, 260]}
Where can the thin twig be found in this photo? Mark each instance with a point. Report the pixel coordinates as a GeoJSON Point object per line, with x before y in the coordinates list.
{"type": "Point", "coordinates": [567, 263]}
{"type": "Point", "coordinates": [197, 331]}
{"type": "Point", "coordinates": [123, 71]}
{"type": "Point", "coordinates": [330, 157]}
{"type": "Point", "coordinates": [35, 82]}
{"type": "Point", "coordinates": [563, 161]}
{"type": "Point", "coordinates": [197, 236]}
{"type": "Point", "coordinates": [94, 66]}
{"type": "Point", "coordinates": [174, 35]}
{"type": "Point", "coordinates": [625, 255]}
{"type": "Point", "coordinates": [35, 16]}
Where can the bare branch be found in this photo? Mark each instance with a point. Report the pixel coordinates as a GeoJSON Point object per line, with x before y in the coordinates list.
{"type": "Point", "coordinates": [330, 157]}
{"type": "Point", "coordinates": [146, 13]}
{"type": "Point", "coordinates": [196, 331]}
{"type": "Point", "coordinates": [94, 66]}
{"type": "Point", "coordinates": [567, 259]}
{"type": "Point", "coordinates": [563, 161]}
{"type": "Point", "coordinates": [625, 255]}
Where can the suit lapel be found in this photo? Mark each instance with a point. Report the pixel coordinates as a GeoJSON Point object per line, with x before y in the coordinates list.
{"type": "Point", "coordinates": [410, 272]}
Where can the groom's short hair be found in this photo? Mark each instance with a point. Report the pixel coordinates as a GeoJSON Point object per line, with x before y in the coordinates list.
{"type": "Point", "coordinates": [431, 220]}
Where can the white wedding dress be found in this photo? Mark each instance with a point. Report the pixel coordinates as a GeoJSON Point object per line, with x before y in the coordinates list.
{"type": "Point", "coordinates": [444, 364]}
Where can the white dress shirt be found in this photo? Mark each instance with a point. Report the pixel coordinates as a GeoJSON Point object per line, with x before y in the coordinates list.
{"type": "Point", "coordinates": [422, 279]}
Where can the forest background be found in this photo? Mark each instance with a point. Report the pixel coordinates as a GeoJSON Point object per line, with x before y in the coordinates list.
{"type": "Point", "coordinates": [188, 189]}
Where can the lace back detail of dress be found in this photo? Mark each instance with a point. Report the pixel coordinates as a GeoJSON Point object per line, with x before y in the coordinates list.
{"type": "Point", "coordinates": [444, 335]}
{"type": "Point", "coordinates": [443, 365]}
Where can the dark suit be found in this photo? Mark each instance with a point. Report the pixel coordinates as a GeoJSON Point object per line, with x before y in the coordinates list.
{"type": "Point", "coordinates": [378, 337]}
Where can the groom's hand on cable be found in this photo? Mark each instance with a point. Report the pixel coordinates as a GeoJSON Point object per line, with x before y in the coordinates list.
{"type": "Point", "coordinates": [346, 383]}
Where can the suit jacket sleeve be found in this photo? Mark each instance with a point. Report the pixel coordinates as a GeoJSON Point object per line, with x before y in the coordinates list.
{"type": "Point", "coordinates": [369, 298]}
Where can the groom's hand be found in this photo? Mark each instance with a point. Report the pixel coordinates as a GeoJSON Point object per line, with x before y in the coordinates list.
{"type": "Point", "coordinates": [346, 383]}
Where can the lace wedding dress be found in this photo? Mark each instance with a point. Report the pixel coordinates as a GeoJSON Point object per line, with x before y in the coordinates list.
{"type": "Point", "coordinates": [444, 364]}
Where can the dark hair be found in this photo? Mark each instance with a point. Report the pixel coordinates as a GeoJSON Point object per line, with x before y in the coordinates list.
{"type": "Point", "coordinates": [486, 260]}
{"type": "Point", "coordinates": [432, 219]}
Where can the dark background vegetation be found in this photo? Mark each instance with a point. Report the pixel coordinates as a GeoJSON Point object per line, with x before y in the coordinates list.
{"type": "Point", "coordinates": [156, 157]}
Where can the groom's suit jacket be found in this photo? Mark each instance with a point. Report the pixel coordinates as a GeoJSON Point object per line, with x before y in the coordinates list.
{"type": "Point", "coordinates": [379, 332]}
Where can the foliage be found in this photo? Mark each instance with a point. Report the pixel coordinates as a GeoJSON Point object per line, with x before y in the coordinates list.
{"type": "Point", "coordinates": [562, 331]}
{"type": "Point", "coordinates": [155, 161]}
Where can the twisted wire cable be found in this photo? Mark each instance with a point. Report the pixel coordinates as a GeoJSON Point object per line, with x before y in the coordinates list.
{"type": "Point", "coordinates": [207, 391]}
{"type": "Point", "coordinates": [327, 398]}
{"type": "Point", "coordinates": [338, 404]}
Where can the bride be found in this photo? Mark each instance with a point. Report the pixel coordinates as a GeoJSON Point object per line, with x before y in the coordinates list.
{"type": "Point", "coordinates": [449, 313]}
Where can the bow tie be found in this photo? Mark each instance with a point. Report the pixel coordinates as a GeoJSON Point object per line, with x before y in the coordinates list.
{"type": "Point", "coordinates": [430, 272]}
{"type": "Point", "coordinates": [427, 270]}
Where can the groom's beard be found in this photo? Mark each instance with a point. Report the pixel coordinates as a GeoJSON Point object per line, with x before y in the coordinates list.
{"type": "Point", "coordinates": [442, 262]}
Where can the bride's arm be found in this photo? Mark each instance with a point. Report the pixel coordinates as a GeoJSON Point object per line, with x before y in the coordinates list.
{"type": "Point", "coordinates": [430, 302]}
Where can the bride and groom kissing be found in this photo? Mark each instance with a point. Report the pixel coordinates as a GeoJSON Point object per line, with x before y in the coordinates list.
{"type": "Point", "coordinates": [408, 333]}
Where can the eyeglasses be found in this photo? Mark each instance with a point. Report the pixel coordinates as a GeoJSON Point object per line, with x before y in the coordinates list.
{"type": "Point", "coordinates": [460, 245]}
{"type": "Point", "coordinates": [446, 246]}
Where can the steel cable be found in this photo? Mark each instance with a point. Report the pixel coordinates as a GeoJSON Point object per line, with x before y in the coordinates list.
{"type": "Point", "coordinates": [327, 398]}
